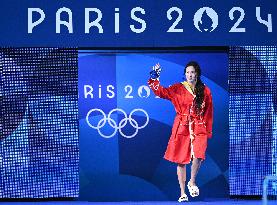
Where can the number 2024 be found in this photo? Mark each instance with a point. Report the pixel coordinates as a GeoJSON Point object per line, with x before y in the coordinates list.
{"type": "Point", "coordinates": [235, 27]}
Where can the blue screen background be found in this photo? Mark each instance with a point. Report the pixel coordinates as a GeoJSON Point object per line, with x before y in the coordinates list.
{"type": "Point", "coordinates": [132, 166]}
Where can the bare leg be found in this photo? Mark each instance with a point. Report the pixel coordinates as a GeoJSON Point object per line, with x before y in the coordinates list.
{"type": "Point", "coordinates": [181, 173]}
{"type": "Point", "coordinates": [196, 163]}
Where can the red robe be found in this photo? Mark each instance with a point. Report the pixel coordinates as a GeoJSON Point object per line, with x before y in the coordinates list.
{"type": "Point", "coordinates": [181, 148]}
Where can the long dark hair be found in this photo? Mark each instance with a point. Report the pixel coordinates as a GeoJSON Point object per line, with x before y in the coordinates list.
{"type": "Point", "coordinates": [199, 87]}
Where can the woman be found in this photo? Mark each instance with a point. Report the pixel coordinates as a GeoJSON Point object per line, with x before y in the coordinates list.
{"type": "Point", "coordinates": [192, 125]}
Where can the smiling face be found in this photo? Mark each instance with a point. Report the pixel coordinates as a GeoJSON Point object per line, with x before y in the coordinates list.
{"type": "Point", "coordinates": [191, 75]}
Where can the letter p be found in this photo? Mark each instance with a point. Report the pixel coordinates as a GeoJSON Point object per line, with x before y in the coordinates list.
{"type": "Point", "coordinates": [32, 24]}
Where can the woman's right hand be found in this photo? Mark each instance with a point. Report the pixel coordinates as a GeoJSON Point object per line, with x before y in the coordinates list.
{"type": "Point", "coordinates": [156, 70]}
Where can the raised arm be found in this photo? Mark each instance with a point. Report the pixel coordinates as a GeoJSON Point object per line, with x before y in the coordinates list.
{"type": "Point", "coordinates": [159, 90]}
{"type": "Point", "coordinates": [155, 86]}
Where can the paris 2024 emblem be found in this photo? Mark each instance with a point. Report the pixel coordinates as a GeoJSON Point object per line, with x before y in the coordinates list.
{"type": "Point", "coordinates": [205, 19]}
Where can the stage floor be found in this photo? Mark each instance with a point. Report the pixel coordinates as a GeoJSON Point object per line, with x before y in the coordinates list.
{"type": "Point", "coordinates": [210, 202]}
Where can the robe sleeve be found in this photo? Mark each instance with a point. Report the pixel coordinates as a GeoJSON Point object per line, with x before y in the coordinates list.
{"type": "Point", "coordinates": [162, 92]}
{"type": "Point", "coordinates": [208, 114]}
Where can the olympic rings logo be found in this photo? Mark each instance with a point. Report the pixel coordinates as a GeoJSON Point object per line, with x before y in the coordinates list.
{"type": "Point", "coordinates": [120, 125]}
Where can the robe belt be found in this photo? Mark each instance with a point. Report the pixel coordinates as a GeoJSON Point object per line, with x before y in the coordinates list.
{"type": "Point", "coordinates": [185, 119]}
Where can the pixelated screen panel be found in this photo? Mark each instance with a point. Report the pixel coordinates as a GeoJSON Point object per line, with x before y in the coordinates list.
{"type": "Point", "coordinates": [39, 139]}
{"type": "Point", "coordinates": [252, 118]}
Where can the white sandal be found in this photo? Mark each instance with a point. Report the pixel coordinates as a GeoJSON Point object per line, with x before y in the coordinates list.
{"type": "Point", "coordinates": [183, 198]}
{"type": "Point", "coordinates": [193, 190]}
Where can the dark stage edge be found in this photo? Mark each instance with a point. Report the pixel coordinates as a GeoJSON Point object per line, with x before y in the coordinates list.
{"type": "Point", "coordinates": [210, 202]}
